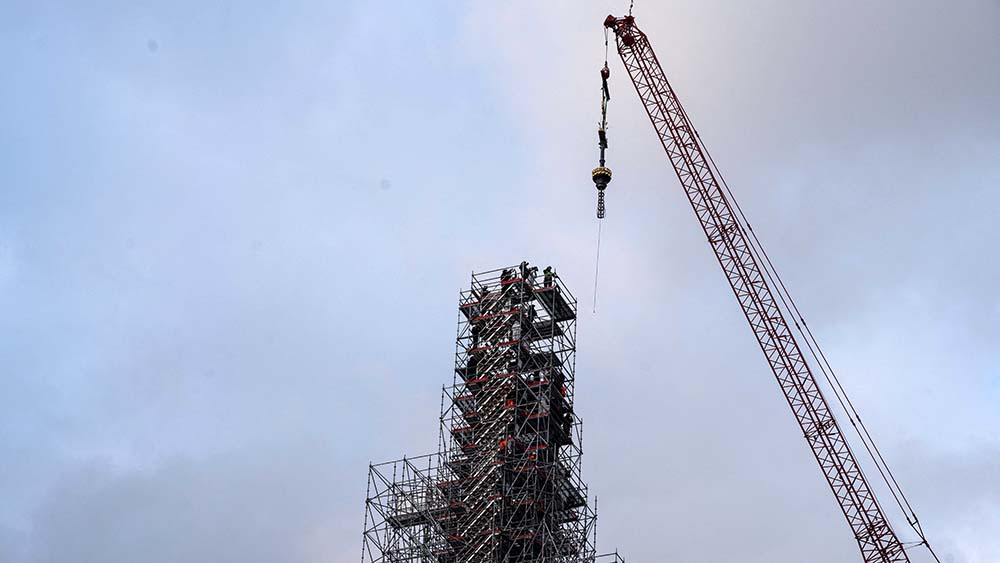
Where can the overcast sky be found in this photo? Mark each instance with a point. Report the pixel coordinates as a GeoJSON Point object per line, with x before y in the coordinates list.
{"type": "Point", "coordinates": [232, 236]}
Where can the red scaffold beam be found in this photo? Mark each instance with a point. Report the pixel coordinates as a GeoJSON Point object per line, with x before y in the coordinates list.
{"type": "Point", "coordinates": [741, 266]}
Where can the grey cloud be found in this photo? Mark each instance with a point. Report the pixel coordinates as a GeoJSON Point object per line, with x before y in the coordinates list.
{"type": "Point", "coordinates": [860, 141]}
{"type": "Point", "coordinates": [215, 315]}
{"type": "Point", "coordinates": [239, 506]}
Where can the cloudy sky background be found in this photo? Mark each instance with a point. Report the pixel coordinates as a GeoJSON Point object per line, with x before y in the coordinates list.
{"type": "Point", "coordinates": [232, 237]}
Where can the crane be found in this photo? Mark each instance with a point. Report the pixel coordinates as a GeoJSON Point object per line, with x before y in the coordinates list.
{"type": "Point", "coordinates": [764, 299]}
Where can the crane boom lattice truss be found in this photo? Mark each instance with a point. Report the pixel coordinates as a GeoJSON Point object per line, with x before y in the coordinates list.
{"type": "Point", "coordinates": [742, 268]}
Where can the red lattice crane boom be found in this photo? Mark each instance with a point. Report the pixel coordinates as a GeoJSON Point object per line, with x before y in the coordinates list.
{"type": "Point", "coordinates": [755, 289]}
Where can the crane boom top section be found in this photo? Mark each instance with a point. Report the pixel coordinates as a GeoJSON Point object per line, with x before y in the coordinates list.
{"type": "Point", "coordinates": [736, 255]}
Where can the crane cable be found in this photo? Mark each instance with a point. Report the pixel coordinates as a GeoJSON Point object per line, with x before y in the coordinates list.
{"type": "Point", "coordinates": [819, 357]}
{"type": "Point", "coordinates": [604, 122]}
{"type": "Point", "coordinates": [821, 360]}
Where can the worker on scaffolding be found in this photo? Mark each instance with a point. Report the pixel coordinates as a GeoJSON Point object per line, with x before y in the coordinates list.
{"type": "Point", "coordinates": [535, 376]}
{"type": "Point", "coordinates": [476, 328]}
{"type": "Point", "coordinates": [476, 295]}
{"type": "Point", "coordinates": [528, 273]}
{"type": "Point", "coordinates": [472, 363]}
{"type": "Point", "coordinates": [550, 274]}
{"type": "Point", "coordinates": [567, 425]}
{"type": "Point", "coordinates": [529, 314]}
{"type": "Point", "coordinates": [506, 444]}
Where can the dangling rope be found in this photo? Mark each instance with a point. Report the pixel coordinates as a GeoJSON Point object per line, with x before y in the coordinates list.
{"type": "Point", "coordinates": [597, 263]}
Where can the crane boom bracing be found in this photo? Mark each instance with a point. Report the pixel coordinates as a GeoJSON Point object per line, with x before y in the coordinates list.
{"type": "Point", "coordinates": [742, 267]}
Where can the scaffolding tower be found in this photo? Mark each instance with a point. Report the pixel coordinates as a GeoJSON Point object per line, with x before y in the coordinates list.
{"type": "Point", "coordinates": [505, 484]}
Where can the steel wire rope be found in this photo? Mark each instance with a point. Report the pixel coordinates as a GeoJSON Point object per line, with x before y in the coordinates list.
{"type": "Point", "coordinates": [785, 309]}
{"type": "Point", "coordinates": [790, 307]}
{"type": "Point", "coordinates": [816, 353]}
{"type": "Point", "coordinates": [778, 306]}
{"type": "Point", "coordinates": [604, 121]}
{"type": "Point", "coordinates": [822, 361]}
{"type": "Point", "coordinates": [749, 281]}
{"type": "Point", "coordinates": [758, 251]}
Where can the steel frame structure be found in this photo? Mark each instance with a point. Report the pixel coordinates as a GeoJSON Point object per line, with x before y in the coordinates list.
{"type": "Point", "coordinates": [736, 256]}
{"type": "Point", "coordinates": [505, 484]}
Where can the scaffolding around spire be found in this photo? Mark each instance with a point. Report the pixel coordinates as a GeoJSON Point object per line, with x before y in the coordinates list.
{"type": "Point", "coordinates": [506, 482]}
